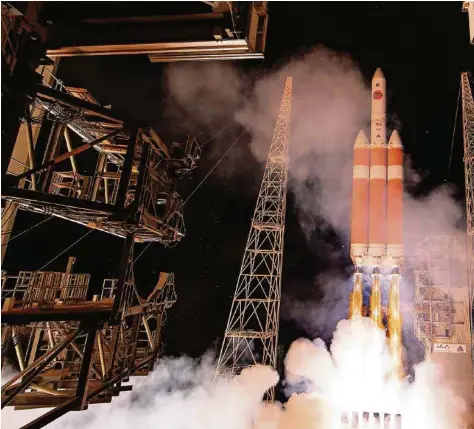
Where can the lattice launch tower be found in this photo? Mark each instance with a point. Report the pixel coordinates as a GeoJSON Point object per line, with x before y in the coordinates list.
{"type": "Point", "coordinates": [251, 334]}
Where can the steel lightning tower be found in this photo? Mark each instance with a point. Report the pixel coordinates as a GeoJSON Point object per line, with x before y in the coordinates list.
{"type": "Point", "coordinates": [468, 134]}
{"type": "Point", "coordinates": [468, 131]}
{"type": "Point", "coordinates": [251, 334]}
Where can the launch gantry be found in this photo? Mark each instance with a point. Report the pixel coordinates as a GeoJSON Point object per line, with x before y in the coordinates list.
{"type": "Point", "coordinates": [251, 335]}
{"type": "Point", "coordinates": [74, 347]}
{"type": "Point", "coordinates": [132, 189]}
{"type": "Point", "coordinates": [72, 350]}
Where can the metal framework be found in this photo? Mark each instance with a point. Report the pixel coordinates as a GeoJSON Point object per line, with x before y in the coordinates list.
{"type": "Point", "coordinates": [468, 132]}
{"type": "Point", "coordinates": [231, 30]}
{"type": "Point", "coordinates": [435, 269]}
{"type": "Point", "coordinates": [252, 330]}
{"type": "Point", "coordinates": [132, 189]}
{"type": "Point", "coordinates": [468, 137]}
{"type": "Point", "coordinates": [71, 351]}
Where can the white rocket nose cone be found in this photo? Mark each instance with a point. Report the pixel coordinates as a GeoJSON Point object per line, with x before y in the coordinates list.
{"type": "Point", "coordinates": [395, 140]}
{"type": "Point", "coordinates": [361, 140]}
{"type": "Point", "coordinates": [378, 74]}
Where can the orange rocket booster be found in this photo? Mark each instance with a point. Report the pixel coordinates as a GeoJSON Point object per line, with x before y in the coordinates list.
{"type": "Point", "coordinates": [395, 200]}
{"type": "Point", "coordinates": [360, 199]}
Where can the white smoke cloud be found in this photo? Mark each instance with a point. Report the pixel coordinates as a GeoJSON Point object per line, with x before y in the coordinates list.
{"type": "Point", "coordinates": [319, 318]}
{"type": "Point", "coordinates": [328, 92]}
{"type": "Point", "coordinates": [203, 94]}
{"type": "Point", "coordinates": [178, 394]}
{"type": "Point", "coordinates": [351, 376]}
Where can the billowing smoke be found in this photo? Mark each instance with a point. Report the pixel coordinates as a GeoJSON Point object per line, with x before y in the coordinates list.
{"type": "Point", "coordinates": [178, 394]}
{"type": "Point", "coordinates": [352, 376]}
{"type": "Point", "coordinates": [328, 92]}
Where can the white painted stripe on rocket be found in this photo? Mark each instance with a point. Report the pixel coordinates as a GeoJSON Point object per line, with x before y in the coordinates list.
{"type": "Point", "coordinates": [378, 172]}
{"type": "Point", "coordinates": [358, 249]}
{"type": "Point", "coordinates": [395, 250]}
{"type": "Point", "coordinates": [360, 172]}
{"type": "Point", "coordinates": [377, 249]}
{"type": "Point", "coordinates": [395, 172]}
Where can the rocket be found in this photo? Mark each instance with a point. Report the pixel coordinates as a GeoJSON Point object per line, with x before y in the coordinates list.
{"type": "Point", "coordinates": [377, 216]}
{"type": "Point", "coordinates": [377, 189]}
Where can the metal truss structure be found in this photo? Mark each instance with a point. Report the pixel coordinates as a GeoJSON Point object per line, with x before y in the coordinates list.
{"type": "Point", "coordinates": [203, 31]}
{"type": "Point", "coordinates": [251, 335]}
{"type": "Point", "coordinates": [441, 309]}
{"type": "Point", "coordinates": [433, 268]}
{"type": "Point", "coordinates": [73, 346]}
{"type": "Point", "coordinates": [468, 136]}
{"type": "Point", "coordinates": [468, 132]}
{"type": "Point", "coordinates": [132, 187]}
{"type": "Point", "coordinates": [71, 351]}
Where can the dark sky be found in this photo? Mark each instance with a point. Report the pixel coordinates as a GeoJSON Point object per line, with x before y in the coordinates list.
{"type": "Point", "coordinates": [421, 47]}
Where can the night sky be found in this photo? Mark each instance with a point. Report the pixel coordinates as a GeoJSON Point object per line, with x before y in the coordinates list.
{"type": "Point", "coordinates": [421, 47]}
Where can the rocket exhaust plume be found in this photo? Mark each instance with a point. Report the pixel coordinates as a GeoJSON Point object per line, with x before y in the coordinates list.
{"type": "Point", "coordinates": [395, 325]}
{"type": "Point", "coordinates": [356, 298]}
{"type": "Point", "coordinates": [376, 313]}
{"type": "Point", "coordinates": [377, 220]}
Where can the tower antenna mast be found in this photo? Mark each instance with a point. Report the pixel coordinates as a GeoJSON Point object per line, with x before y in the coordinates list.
{"type": "Point", "coordinates": [468, 133]}
{"type": "Point", "coordinates": [251, 334]}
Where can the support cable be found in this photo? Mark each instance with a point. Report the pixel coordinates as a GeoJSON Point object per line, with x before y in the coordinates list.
{"type": "Point", "coordinates": [202, 181]}
{"type": "Point", "coordinates": [142, 252]}
{"type": "Point", "coordinates": [215, 165]}
{"type": "Point", "coordinates": [454, 132]}
{"type": "Point", "coordinates": [216, 134]}
{"type": "Point", "coordinates": [27, 230]}
{"type": "Point", "coordinates": [67, 248]}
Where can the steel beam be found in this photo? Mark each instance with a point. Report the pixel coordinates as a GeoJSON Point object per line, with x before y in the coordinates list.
{"type": "Point", "coordinates": [160, 48]}
{"type": "Point", "coordinates": [52, 415]}
{"type": "Point", "coordinates": [96, 313]}
{"type": "Point", "coordinates": [86, 366]}
{"type": "Point", "coordinates": [126, 170]}
{"type": "Point", "coordinates": [24, 195]}
{"type": "Point", "coordinates": [50, 153]}
{"type": "Point", "coordinates": [67, 137]}
{"type": "Point", "coordinates": [52, 95]}
{"type": "Point", "coordinates": [142, 170]}
{"type": "Point", "coordinates": [154, 19]}
{"type": "Point", "coordinates": [15, 97]}
{"type": "Point", "coordinates": [29, 373]}
{"type": "Point", "coordinates": [31, 152]}
{"type": "Point", "coordinates": [60, 158]}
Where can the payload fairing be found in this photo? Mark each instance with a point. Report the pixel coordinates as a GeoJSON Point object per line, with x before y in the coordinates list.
{"type": "Point", "coordinates": [377, 218]}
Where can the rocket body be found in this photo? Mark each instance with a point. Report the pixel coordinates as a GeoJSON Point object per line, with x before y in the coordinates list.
{"type": "Point", "coordinates": [377, 189]}
{"type": "Point", "coordinates": [395, 199]}
{"type": "Point", "coordinates": [377, 219]}
{"type": "Point", "coordinates": [360, 198]}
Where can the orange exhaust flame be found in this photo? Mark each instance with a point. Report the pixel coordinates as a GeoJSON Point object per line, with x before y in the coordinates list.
{"type": "Point", "coordinates": [395, 326]}
{"type": "Point", "coordinates": [376, 301]}
{"type": "Point", "coordinates": [355, 303]}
